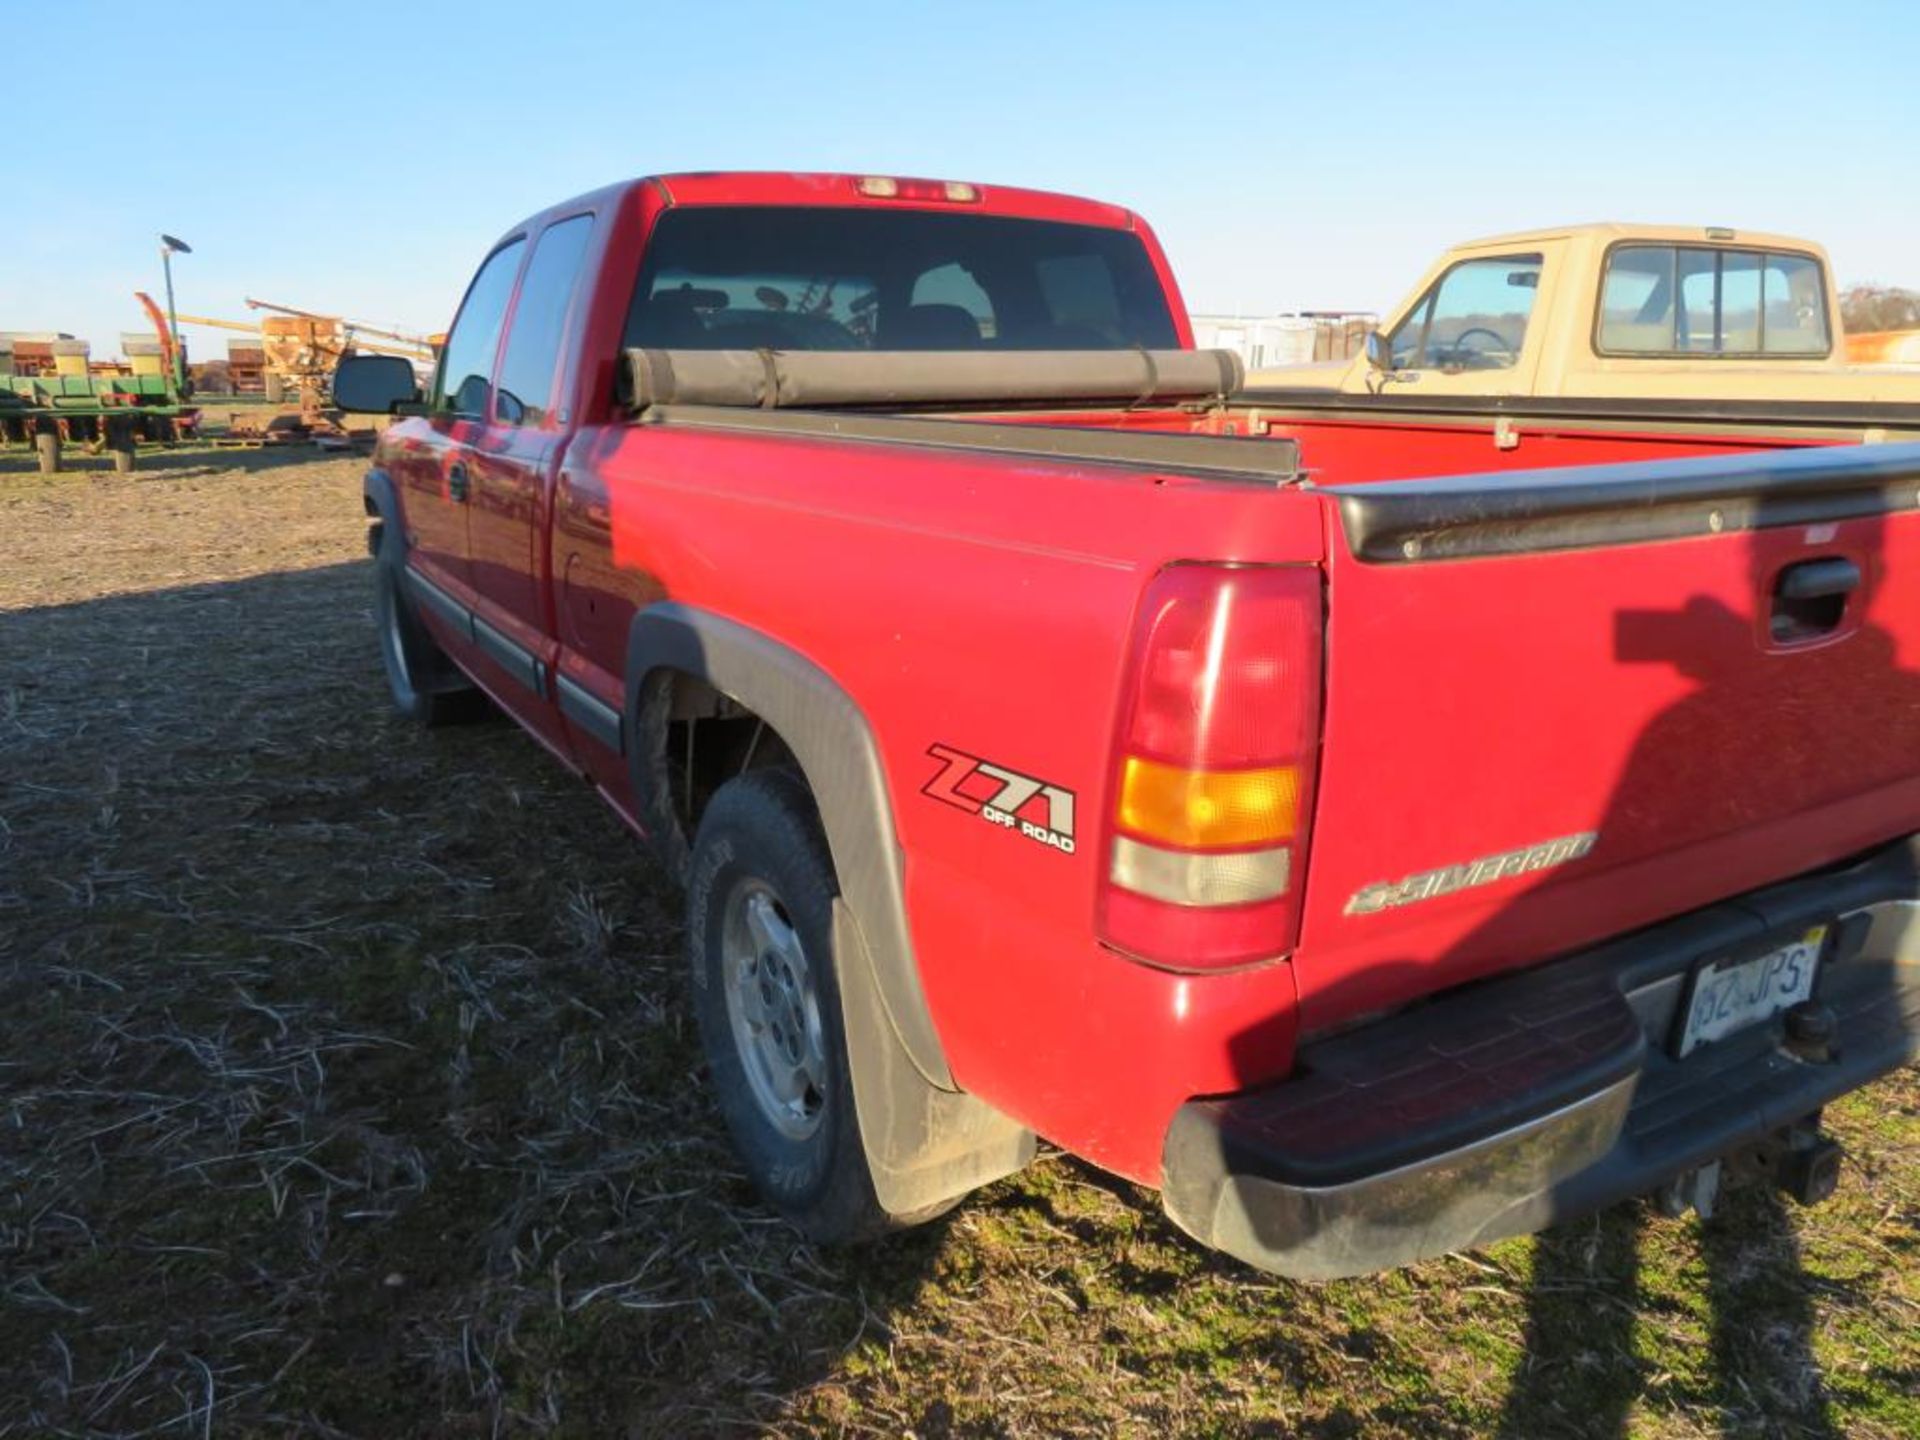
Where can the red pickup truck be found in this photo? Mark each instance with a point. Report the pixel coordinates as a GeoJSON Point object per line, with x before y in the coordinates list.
{"type": "Point", "coordinates": [1378, 840]}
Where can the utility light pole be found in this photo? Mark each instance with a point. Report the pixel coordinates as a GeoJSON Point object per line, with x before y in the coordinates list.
{"type": "Point", "coordinates": [168, 245]}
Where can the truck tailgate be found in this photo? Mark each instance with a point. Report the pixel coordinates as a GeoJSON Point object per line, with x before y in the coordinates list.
{"type": "Point", "coordinates": [1563, 705]}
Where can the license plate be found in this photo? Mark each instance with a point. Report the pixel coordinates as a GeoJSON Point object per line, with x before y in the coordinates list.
{"type": "Point", "coordinates": [1727, 995]}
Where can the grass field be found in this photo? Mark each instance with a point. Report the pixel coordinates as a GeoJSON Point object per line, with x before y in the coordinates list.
{"type": "Point", "coordinates": [347, 1089]}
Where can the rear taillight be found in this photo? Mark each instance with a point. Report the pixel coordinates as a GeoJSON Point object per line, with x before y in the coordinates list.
{"type": "Point", "coordinates": [1214, 766]}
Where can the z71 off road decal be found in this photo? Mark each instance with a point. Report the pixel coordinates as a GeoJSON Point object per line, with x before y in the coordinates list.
{"type": "Point", "coordinates": [1003, 797]}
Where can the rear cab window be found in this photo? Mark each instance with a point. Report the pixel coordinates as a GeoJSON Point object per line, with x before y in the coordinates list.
{"type": "Point", "coordinates": [857, 278]}
{"type": "Point", "coordinates": [1703, 300]}
{"type": "Point", "coordinates": [1474, 317]}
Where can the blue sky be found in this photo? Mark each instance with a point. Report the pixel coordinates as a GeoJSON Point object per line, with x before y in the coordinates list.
{"type": "Point", "coordinates": [359, 158]}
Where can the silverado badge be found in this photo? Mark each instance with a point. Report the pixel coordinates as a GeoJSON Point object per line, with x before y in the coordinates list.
{"type": "Point", "coordinates": [1431, 884]}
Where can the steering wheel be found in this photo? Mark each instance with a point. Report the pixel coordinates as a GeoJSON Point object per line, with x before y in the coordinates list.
{"type": "Point", "coordinates": [1461, 349]}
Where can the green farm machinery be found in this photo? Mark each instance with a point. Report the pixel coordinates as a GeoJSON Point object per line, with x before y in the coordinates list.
{"type": "Point", "coordinates": [57, 398]}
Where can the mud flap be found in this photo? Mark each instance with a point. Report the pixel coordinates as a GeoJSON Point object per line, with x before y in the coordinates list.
{"type": "Point", "coordinates": [924, 1145]}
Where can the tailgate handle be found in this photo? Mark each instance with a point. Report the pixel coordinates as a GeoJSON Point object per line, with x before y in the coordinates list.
{"type": "Point", "coordinates": [1814, 579]}
{"type": "Point", "coordinates": [1810, 598]}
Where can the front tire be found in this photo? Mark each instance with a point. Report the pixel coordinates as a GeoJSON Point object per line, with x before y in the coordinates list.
{"type": "Point", "coordinates": [760, 892]}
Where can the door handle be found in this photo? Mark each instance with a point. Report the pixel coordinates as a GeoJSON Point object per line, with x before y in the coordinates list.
{"type": "Point", "coordinates": [457, 484]}
{"type": "Point", "coordinates": [1810, 597]}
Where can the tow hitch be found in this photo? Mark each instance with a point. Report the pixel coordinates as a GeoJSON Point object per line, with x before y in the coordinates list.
{"type": "Point", "coordinates": [1798, 1159]}
{"type": "Point", "coordinates": [1809, 1171]}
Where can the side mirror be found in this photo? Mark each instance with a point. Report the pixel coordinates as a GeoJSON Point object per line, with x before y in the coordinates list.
{"type": "Point", "coordinates": [1379, 352]}
{"type": "Point", "coordinates": [374, 384]}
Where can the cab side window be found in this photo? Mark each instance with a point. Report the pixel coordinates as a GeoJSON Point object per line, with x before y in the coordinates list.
{"type": "Point", "coordinates": [540, 322]}
{"type": "Point", "coordinates": [1473, 318]}
{"type": "Point", "coordinates": [466, 366]}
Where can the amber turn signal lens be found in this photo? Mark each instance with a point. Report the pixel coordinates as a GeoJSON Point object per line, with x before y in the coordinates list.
{"type": "Point", "coordinates": [1208, 809]}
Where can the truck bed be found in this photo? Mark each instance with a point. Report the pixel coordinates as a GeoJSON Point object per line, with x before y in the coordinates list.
{"type": "Point", "coordinates": [1521, 654]}
{"type": "Point", "coordinates": [1591, 654]}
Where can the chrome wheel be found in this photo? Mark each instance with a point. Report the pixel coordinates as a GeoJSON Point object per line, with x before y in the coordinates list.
{"type": "Point", "coordinates": [773, 1006]}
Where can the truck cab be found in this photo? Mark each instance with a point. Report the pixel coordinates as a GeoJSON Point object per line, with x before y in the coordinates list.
{"type": "Point", "coordinates": [1614, 312]}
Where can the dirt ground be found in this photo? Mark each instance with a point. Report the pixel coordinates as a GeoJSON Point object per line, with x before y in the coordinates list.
{"type": "Point", "coordinates": [346, 1089]}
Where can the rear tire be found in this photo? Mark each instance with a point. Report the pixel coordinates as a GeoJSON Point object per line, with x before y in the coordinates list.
{"type": "Point", "coordinates": [427, 687]}
{"type": "Point", "coordinates": [760, 892]}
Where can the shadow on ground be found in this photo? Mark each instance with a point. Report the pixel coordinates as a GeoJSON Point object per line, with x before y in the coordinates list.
{"type": "Point", "coordinates": [346, 1078]}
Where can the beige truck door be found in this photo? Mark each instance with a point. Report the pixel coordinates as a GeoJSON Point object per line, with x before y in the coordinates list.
{"type": "Point", "coordinates": [1472, 331]}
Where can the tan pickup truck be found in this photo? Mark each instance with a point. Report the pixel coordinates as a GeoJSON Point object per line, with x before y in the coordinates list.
{"type": "Point", "coordinates": [1675, 321]}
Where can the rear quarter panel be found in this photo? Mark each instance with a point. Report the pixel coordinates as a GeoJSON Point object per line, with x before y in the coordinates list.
{"type": "Point", "coordinates": [982, 604]}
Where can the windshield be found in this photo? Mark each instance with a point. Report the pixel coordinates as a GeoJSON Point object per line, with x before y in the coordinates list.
{"type": "Point", "coordinates": [797, 278]}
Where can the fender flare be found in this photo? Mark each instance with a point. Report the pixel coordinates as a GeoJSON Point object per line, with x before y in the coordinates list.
{"type": "Point", "coordinates": [926, 1142]}
{"type": "Point", "coordinates": [835, 747]}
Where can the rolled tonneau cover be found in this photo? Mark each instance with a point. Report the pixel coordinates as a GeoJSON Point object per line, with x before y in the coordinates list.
{"type": "Point", "coordinates": [778, 379]}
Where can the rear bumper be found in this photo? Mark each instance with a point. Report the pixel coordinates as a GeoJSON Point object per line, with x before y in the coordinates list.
{"type": "Point", "coordinates": [1516, 1103]}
